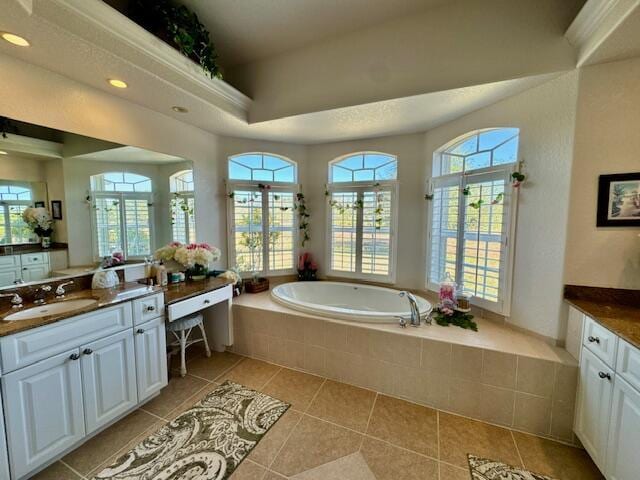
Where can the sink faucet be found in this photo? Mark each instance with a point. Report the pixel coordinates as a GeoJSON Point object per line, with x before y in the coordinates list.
{"type": "Point", "coordinates": [39, 300]}
{"type": "Point", "coordinates": [60, 292]}
{"type": "Point", "coordinates": [16, 300]}
{"type": "Point", "coordinates": [415, 312]}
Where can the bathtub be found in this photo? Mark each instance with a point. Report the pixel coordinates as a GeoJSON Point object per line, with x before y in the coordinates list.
{"type": "Point", "coordinates": [347, 301]}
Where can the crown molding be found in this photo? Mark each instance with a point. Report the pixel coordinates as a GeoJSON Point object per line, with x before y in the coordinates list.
{"type": "Point", "coordinates": [31, 147]}
{"type": "Point", "coordinates": [588, 20]}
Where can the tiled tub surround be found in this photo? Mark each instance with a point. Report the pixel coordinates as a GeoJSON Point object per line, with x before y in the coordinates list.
{"type": "Point", "coordinates": [497, 375]}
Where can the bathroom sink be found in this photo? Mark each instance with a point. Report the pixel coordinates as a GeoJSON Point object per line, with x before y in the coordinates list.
{"type": "Point", "coordinates": [51, 309]}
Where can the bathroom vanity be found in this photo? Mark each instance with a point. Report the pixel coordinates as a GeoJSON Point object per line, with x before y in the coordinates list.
{"type": "Point", "coordinates": [607, 418]}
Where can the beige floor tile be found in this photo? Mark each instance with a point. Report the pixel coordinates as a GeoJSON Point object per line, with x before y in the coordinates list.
{"type": "Point", "coordinates": [295, 388]}
{"type": "Point", "coordinates": [273, 476]}
{"type": "Point", "coordinates": [313, 443]}
{"type": "Point", "coordinates": [251, 373]}
{"type": "Point", "coordinates": [57, 471]}
{"type": "Point", "coordinates": [555, 459]}
{"type": "Point", "coordinates": [352, 467]}
{"type": "Point", "coordinates": [405, 424]}
{"type": "Point", "coordinates": [108, 442]}
{"type": "Point", "coordinates": [391, 463]}
{"type": "Point", "coordinates": [212, 367]}
{"type": "Point", "coordinates": [460, 436]}
{"type": "Point", "coordinates": [268, 447]}
{"type": "Point", "coordinates": [191, 401]}
{"type": "Point", "coordinates": [449, 472]}
{"type": "Point", "coordinates": [174, 394]}
{"type": "Point", "coordinates": [248, 471]}
{"type": "Point", "coordinates": [343, 404]}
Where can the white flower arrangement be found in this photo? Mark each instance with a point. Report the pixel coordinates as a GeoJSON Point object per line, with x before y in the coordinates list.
{"type": "Point", "coordinates": [39, 220]}
{"type": "Point", "coordinates": [190, 255]}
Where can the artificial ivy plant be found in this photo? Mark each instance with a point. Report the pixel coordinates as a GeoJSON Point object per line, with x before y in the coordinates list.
{"type": "Point", "coordinates": [178, 26]}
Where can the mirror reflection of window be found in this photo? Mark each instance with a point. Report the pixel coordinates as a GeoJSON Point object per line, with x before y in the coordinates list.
{"type": "Point", "coordinates": [123, 211]}
{"type": "Point", "coordinates": [14, 199]}
{"type": "Point", "coordinates": [183, 222]}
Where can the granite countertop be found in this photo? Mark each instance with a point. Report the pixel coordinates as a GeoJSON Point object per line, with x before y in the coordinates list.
{"type": "Point", "coordinates": [104, 297]}
{"type": "Point", "coordinates": [177, 292]}
{"type": "Point", "coordinates": [615, 309]}
{"type": "Point", "coordinates": [30, 248]}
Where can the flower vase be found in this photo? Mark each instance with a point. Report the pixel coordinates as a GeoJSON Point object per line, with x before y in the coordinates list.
{"type": "Point", "coordinates": [197, 272]}
{"type": "Point", "coordinates": [45, 242]}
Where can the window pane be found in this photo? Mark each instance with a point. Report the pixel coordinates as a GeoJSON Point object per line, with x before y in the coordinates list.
{"type": "Point", "coordinates": [451, 164]}
{"type": "Point", "coordinates": [273, 163]}
{"type": "Point", "coordinates": [261, 168]}
{"type": "Point", "coordinates": [376, 233]}
{"type": "Point", "coordinates": [287, 174]}
{"type": "Point", "coordinates": [107, 210]}
{"type": "Point", "coordinates": [120, 182]}
{"type": "Point", "coordinates": [281, 231]}
{"type": "Point", "coordinates": [444, 231]}
{"type": "Point", "coordinates": [247, 221]}
{"type": "Point", "coordinates": [343, 231]}
{"type": "Point", "coordinates": [388, 171]}
{"type": "Point", "coordinates": [479, 160]}
{"type": "Point", "coordinates": [466, 146]}
{"type": "Point", "coordinates": [492, 138]}
{"type": "Point", "coordinates": [507, 153]}
{"type": "Point", "coordinates": [363, 175]}
{"type": "Point", "coordinates": [239, 172]}
{"type": "Point", "coordinates": [364, 168]}
{"type": "Point", "coordinates": [18, 231]}
{"type": "Point", "coordinates": [137, 224]}
{"type": "Point", "coordinates": [181, 182]}
{"type": "Point", "coordinates": [181, 211]}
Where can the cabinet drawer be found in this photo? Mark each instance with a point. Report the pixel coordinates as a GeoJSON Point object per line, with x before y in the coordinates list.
{"type": "Point", "coordinates": [148, 308]}
{"type": "Point", "coordinates": [191, 305]}
{"type": "Point", "coordinates": [628, 364]}
{"type": "Point", "coordinates": [9, 261]}
{"type": "Point", "coordinates": [28, 347]}
{"type": "Point", "coordinates": [600, 341]}
{"type": "Point", "coordinates": [34, 258]}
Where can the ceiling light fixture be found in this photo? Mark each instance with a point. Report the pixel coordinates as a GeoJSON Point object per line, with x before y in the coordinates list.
{"type": "Point", "coordinates": [15, 39]}
{"type": "Point", "coordinates": [179, 109]}
{"type": "Point", "coordinates": [2, 152]}
{"type": "Point", "coordinates": [114, 82]}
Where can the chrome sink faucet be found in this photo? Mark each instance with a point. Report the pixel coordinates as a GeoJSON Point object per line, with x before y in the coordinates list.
{"type": "Point", "coordinates": [60, 291]}
{"type": "Point", "coordinates": [39, 300]}
{"type": "Point", "coordinates": [16, 300]}
{"type": "Point", "coordinates": [415, 312]}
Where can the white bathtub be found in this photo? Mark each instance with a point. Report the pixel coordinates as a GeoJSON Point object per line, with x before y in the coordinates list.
{"type": "Point", "coordinates": [347, 301]}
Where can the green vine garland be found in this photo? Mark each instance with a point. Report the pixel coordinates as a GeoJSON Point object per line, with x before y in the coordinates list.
{"type": "Point", "coordinates": [178, 201]}
{"type": "Point", "coordinates": [303, 218]}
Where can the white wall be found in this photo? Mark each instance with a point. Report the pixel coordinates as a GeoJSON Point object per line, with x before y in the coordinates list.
{"type": "Point", "coordinates": [546, 117]}
{"type": "Point", "coordinates": [607, 141]}
{"type": "Point", "coordinates": [13, 167]}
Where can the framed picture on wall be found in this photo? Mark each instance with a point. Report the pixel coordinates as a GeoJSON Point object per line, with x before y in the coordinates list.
{"type": "Point", "coordinates": [56, 209]}
{"type": "Point", "coordinates": [38, 204]}
{"type": "Point", "coordinates": [619, 200]}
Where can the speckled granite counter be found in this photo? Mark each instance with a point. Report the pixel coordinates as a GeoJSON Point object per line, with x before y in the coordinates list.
{"type": "Point", "coordinates": [30, 248]}
{"type": "Point", "coordinates": [104, 298]}
{"type": "Point", "coordinates": [181, 291]}
{"type": "Point", "coordinates": [617, 310]}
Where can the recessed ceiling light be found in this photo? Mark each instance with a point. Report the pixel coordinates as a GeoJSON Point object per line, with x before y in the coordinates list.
{"type": "Point", "coordinates": [15, 39]}
{"type": "Point", "coordinates": [2, 152]}
{"type": "Point", "coordinates": [178, 109]}
{"type": "Point", "coordinates": [114, 82]}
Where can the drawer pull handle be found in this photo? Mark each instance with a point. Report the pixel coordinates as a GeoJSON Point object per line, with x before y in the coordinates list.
{"type": "Point", "coordinates": [207, 302]}
{"type": "Point", "coordinates": [74, 356]}
{"type": "Point", "coordinates": [149, 308]}
{"type": "Point", "coordinates": [593, 339]}
{"type": "Point", "coordinates": [603, 375]}
{"type": "Point", "coordinates": [140, 331]}
{"type": "Point", "coordinates": [87, 351]}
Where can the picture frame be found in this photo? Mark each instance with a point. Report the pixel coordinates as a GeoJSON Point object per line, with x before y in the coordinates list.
{"type": "Point", "coordinates": [38, 204]}
{"type": "Point", "coordinates": [619, 200]}
{"type": "Point", "coordinates": [56, 209]}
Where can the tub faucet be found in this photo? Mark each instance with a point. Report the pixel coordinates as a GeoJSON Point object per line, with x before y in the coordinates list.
{"type": "Point", "coordinates": [415, 312]}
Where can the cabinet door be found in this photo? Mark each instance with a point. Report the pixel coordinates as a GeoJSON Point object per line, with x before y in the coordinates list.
{"type": "Point", "coordinates": [108, 379]}
{"type": "Point", "coordinates": [151, 357]}
{"type": "Point", "coordinates": [43, 411]}
{"type": "Point", "coordinates": [4, 459]}
{"type": "Point", "coordinates": [594, 406]}
{"type": "Point", "coordinates": [35, 272]}
{"type": "Point", "coordinates": [623, 462]}
{"type": "Point", "coordinates": [8, 276]}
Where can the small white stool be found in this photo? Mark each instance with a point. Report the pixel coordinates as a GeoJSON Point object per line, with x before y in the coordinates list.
{"type": "Point", "coordinates": [181, 329]}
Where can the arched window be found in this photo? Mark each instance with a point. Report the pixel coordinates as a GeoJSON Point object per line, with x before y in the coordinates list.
{"type": "Point", "coordinates": [362, 199]}
{"type": "Point", "coordinates": [183, 222]}
{"type": "Point", "coordinates": [122, 203]}
{"type": "Point", "coordinates": [14, 199]}
{"type": "Point", "coordinates": [471, 209]}
{"type": "Point", "coordinates": [262, 222]}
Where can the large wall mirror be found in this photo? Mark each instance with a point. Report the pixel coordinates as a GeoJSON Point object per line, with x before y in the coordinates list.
{"type": "Point", "coordinates": [99, 199]}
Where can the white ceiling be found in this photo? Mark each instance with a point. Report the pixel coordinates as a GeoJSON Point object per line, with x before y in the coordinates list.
{"type": "Point", "coordinates": [248, 30]}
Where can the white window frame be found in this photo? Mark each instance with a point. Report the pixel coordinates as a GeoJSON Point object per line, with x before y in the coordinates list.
{"type": "Point", "coordinates": [183, 195]}
{"type": "Point", "coordinates": [254, 186]}
{"type": "Point", "coordinates": [503, 306]}
{"type": "Point", "coordinates": [361, 187]}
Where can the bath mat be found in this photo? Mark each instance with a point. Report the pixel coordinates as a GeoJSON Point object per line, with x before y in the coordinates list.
{"type": "Point", "coordinates": [485, 469]}
{"type": "Point", "coordinates": [207, 442]}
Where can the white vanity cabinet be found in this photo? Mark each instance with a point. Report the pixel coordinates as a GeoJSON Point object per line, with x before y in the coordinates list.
{"type": "Point", "coordinates": [4, 458]}
{"type": "Point", "coordinates": [608, 404]}
{"type": "Point", "coordinates": [64, 382]}
{"type": "Point", "coordinates": [26, 267]}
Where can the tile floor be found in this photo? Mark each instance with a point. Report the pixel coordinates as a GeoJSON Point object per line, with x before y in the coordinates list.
{"type": "Point", "coordinates": [333, 431]}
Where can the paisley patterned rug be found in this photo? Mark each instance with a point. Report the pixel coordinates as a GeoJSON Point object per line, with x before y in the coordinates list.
{"type": "Point", "coordinates": [485, 469]}
{"type": "Point", "coordinates": [207, 442]}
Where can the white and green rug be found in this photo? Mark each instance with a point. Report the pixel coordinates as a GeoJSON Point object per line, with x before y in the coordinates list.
{"type": "Point", "coordinates": [485, 469]}
{"type": "Point", "coordinates": [207, 442]}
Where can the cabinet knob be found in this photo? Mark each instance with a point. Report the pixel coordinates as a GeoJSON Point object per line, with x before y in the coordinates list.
{"type": "Point", "coordinates": [207, 302]}
{"type": "Point", "coordinates": [593, 339]}
{"type": "Point", "coordinates": [140, 331]}
{"type": "Point", "coordinates": [87, 351]}
{"type": "Point", "coordinates": [74, 356]}
{"type": "Point", "coordinates": [604, 375]}
{"type": "Point", "coordinates": [149, 308]}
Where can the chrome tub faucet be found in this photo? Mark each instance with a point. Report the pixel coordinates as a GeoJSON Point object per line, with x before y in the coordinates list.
{"type": "Point", "coordinates": [415, 312]}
